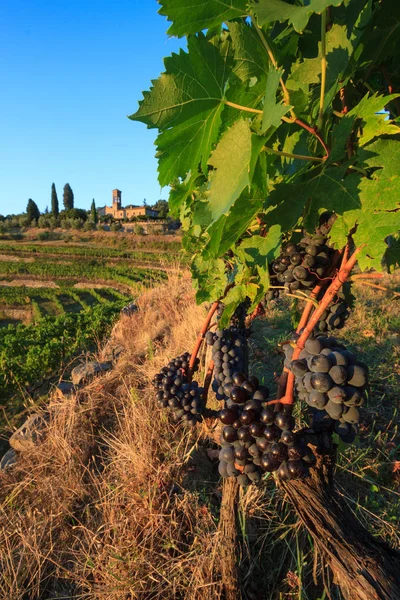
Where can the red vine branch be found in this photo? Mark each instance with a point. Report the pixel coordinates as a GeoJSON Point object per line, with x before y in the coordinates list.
{"type": "Point", "coordinates": [315, 133]}
{"type": "Point", "coordinates": [341, 277]}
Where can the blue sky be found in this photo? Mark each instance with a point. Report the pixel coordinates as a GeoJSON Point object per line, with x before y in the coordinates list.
{"type": "Point", "coordinates": [70, 73]}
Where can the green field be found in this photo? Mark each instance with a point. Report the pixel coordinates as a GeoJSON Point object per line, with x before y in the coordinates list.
{"type": "Point", "coordinates": [58, 299]}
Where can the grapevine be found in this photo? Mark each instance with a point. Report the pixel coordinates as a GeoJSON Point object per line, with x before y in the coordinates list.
{"type": "Point", "coordinates": [278, 136]}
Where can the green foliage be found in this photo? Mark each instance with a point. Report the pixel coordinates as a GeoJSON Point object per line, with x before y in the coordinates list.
{"type": "Point", "coordinates": [162, 207]}
{"type": "Point", "coordinates": [270, 118]}
{"type": "Point", "coordinates": [32, 211]}
{"type": "Point", "coordinates": [68, 197]}
{"type": "Point", "coordinates": [190, 16]}
{"type": "Point", "coordinates": [28, 353]}
{"type": "Point", "coordinates": [54, 201]}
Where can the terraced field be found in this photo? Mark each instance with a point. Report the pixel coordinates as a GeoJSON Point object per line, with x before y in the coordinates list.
{"type": "Point", "coordinates": [58, 299]}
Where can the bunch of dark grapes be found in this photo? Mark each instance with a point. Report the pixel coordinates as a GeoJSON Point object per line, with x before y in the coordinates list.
{"type": "Point", "coordinates": [300, 266]}
{"type": "Point", "coordinates": [174, 392]}
{"type": "Point", "coordinates": [229, 350]}
{"type": "Point", "coordinates": [257, 438]}
{"type": "Point", "coordinates": [271, 298]}
{"type": "Point", "coordinates": [229, 353]}
{"type": "Point", "coordinates": [336, 315]}
{"type": "Point", "coordinates": [332, 382]}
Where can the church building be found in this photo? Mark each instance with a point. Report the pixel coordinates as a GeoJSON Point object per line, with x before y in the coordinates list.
{"type": "Point", "coordinates": [118, 212]}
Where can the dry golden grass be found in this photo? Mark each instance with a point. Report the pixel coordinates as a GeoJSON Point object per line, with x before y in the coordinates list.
{"type": "Point", "coordinates": [118, 504]}
{"type": "Point", "coordinates": [105, 507]}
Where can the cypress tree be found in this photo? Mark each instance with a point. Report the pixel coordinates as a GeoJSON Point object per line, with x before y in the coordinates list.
{"type": "Point", "coordinates": [32, 211]}
{"type": "Point", "coordinates": [68, 197]}
{"type": "Point", "coordinates": [54, 201]}
{"type": "Point", "coordinates": [93, 212]}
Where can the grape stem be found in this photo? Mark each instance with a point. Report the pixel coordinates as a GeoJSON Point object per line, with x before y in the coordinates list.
{"type": "Point", "coordinates": [200, 338]}
{"type": "Point", "coordinates": [323, 70]}
{"type": "Point", "coordinates": [315, 133]}
{"type": "Point", "coordinates": [341, 277]}
{"type": "Point", "coordinates": [294, 156]}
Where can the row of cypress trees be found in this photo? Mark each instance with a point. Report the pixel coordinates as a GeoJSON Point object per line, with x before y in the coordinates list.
{"type": "Point", "coordinates": [68, 199]}
{"type": "Point", "coordinates": [33, 212]}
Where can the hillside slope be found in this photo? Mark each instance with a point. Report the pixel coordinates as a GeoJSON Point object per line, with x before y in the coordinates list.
{"type": "Point", "coordinates": [117, 503]}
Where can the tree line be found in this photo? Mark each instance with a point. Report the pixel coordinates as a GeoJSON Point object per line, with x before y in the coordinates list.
{"type": "Point", "coordinates": [32, 209]}
{"type": "Point", "coordinates": [69, 216]}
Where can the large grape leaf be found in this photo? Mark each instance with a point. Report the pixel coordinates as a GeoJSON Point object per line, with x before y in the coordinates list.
{"type": "Point", "coordinates": [192, 16]}
{"type": "Point", "coordinates": [231, 161]}
{"type": "Point", "coordinates": [224, 233]}
{"type": "Point", "coordinates": [268, 11]}
{"type": "Point", "coordinates": [185, 104]}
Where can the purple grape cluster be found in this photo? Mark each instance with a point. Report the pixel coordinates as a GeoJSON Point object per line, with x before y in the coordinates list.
{"type": "Point", "coordinates": [336, 314]}
{"type": "Point", "coordinates": [332, 382]}
{"type": "Point", "coordinates": [257, 438]}
{"type": "Point", "coordinates": [300, 266]}
{"type": "Point", "coordinates": [174, 392]}
{"type": "Point", "coordinates": [229, 353]}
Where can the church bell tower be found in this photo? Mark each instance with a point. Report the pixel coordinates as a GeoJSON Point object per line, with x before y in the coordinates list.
{"type": "Point", "coordinates": [116, 199]}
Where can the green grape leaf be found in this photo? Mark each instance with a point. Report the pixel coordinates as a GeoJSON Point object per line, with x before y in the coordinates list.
{"type": "Point", "coordinates": [259, 251]}
{"type": "Point", "coordinates": [251, 60]}
{"type": "Point", "coordinates": [185, 104]}
{"type": "Point", "coordinates": [373, 124]}
{"type": "Point", "coordinates": [228, 229]}
{"type": "Point", "coordinates": [231, 161]}
{"type": "Point", "coordinates": [273, 112]}
{"type": "Point", "coordinates": [234, 297]}
{"type": "Point", "coordinates": [269, 11]}
{"type": "Point", "coordinates": [183, 147]}
{"type": "Point", "coordinates": [209, 277]}
{"type": "Point", "coordinates": [191, 16]}
{"type": "Point", "coordinates": [339, 49]}
{"type": "Point", "coordinates": [179, 193]}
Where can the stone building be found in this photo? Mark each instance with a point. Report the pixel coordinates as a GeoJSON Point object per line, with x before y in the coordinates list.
{"type": "Point", "coordinates": [118, 212]}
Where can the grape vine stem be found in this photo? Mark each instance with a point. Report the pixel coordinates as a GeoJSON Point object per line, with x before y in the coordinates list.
{"type": "Point", "coordinates": [323, 69]}
{"type": "Point", "coordinates": [294, 156]}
